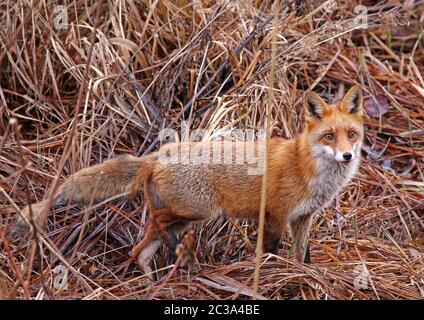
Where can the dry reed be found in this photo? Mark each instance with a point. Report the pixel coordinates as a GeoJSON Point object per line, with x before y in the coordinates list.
{"type": "Point", "coordinates": [120, 71]}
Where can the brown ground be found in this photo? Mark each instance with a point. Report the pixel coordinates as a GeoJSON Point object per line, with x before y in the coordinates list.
{"type": "Point", "coordinates": [155, 64]}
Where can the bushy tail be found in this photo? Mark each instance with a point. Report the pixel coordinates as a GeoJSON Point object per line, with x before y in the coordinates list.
{"type": "Point", "coordinates": [120, 176]}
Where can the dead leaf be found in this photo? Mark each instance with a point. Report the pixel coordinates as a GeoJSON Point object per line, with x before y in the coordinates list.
{"type": "Point", "coordinates": [376, 106]}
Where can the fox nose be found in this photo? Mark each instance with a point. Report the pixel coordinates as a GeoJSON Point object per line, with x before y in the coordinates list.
{"type": "Point", "coordinates": [347, 156]}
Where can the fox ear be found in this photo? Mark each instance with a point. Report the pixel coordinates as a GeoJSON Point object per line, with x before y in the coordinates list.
{"type": "Point", "coordinates": [315, 107]}
{"type": "Point", "coordinates": [352, 101]}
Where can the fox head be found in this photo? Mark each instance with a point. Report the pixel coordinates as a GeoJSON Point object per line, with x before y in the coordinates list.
{"type": "Point", "coordinates": [335, 133]}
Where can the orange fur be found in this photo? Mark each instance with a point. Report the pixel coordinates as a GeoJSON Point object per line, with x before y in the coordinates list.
{"type": "Point", "coordinates": [305, 174]}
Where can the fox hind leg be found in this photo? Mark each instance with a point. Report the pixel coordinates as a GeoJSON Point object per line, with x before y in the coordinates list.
{"type": "Point", "coordinates": [164, 225]}
{"type": "Point", "coordinates": [170, 224]}
{"type": "Point", "coordinates": [162, 228]}
{"type": "Point", "coordinates": [143, 252]}
{"type": "Point", "coordinates": [166, 219]}
{"type": "Point", "coordinates": [161, 215]}
{"type": "Point", "coordinates": [145, 257]}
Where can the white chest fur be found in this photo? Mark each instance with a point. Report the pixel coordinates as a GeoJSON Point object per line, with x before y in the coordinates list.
{"type": "Point", "coordinates": [331, 178]}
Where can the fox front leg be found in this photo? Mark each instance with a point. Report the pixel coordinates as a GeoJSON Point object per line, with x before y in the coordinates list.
{"type": "Point", "coordinates": [271, 242]}
{"type": "Point", "coordinates": [300, 227]}
{"type": "Point", "coordinates": [307, 258]}
{"type": "Point", "coordinates": [272, 233]}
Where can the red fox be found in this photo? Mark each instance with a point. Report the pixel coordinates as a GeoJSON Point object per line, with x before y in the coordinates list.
{"type": "Point", "coordinates": [304, 174]}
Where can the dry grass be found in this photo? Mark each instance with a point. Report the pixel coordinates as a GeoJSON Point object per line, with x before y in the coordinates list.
{"type": "Point", "coordinates": [122, 70]}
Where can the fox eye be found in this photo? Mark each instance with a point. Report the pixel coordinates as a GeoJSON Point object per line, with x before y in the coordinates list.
{"type": "Point", "coordinates": [329, 136]}
{"type": "Point", "coordinates": [352, 134]}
